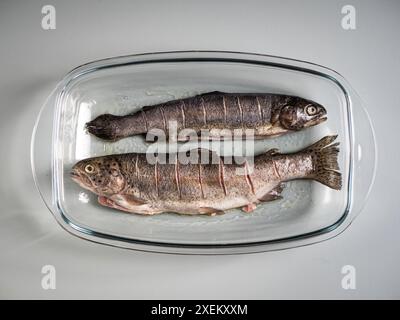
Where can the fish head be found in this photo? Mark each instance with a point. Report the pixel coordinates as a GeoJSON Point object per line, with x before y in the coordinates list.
{"type": "Point", "coordinates": [104, 127]}
{"type": "Point", "coordinates": [101, 175]}
{"type": "Point", "coordinates": [300, 113]}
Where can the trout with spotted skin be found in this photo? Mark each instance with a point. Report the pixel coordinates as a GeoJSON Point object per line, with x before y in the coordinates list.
{"type": "Point", "coordinates": [128, 182]}
{"type": "Point", "coordinates": [267, 114]}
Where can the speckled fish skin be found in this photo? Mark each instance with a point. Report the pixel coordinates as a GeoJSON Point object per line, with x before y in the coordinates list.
{"type": "Point", "coordinates": [267, 114]}
{"type": "Point", "coordinates": [128, 182]}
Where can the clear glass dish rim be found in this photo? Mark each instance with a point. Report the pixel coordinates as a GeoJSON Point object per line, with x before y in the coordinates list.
{"type": "Point", "coordinates": [206, 56]}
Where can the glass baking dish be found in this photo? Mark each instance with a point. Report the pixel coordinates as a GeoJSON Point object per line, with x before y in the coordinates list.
{"type": "Point", "coordinates": [309, 212]}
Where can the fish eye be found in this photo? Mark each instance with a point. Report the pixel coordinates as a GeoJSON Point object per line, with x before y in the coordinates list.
{"type": "Point", "coordinates": [311, 110]}
{"type": "Point", "coordinates": [89, 168]}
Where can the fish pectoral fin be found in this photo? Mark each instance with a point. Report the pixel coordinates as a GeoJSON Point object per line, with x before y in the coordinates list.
{"type": "Point", "coordinates": [249, 208]}
{"type": "Point", "coordinates": [107, 202]}
{"type": "Point", "coordinates": [210, 211]}
{"type": "Point", "coordinates": [103, 201]}
{"type": "Point", "coordinates": [129, 204]}
{"type": "Point", "coordinates": [274, 194]}
{"type": "Point", "coordinates": [126, 200]}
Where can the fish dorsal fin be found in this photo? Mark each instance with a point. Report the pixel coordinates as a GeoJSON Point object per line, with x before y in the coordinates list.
{"type": "Point", "coordinates": [145, 108]}
{"type": "Point", "coordinates": [212, 93]}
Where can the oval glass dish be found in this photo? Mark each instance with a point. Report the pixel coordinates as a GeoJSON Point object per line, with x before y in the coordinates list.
{"type": "Point", "coordinates": [309, 212]}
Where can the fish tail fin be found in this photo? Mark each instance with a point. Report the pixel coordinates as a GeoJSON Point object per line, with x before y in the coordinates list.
{"type": "Point", "coordinates": [325, 161]}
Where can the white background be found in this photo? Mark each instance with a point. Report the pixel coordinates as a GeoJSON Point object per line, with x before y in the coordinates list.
{"type": "Point", "coordinates": [33, 60]}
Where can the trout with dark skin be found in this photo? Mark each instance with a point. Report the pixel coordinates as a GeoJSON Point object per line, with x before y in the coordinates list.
{"type": "Point", "coordinates": [129, 182]}
{"type": "Point", "coordinates": [267, 114]}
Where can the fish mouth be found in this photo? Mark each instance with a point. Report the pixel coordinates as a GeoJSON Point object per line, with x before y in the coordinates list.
{"type": "Point", "coordinates": [318, 120]}
{"type": "Point", "coordinates": [91, 127]}
{"type": "Point", "coordinates": [81, 180]}
{"type": "Point", "coordinates": [75, 176]}
{"type": "Point", "coordinates": [322, 118]}
{"type": "Point", "coordinates": [102, 132]}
